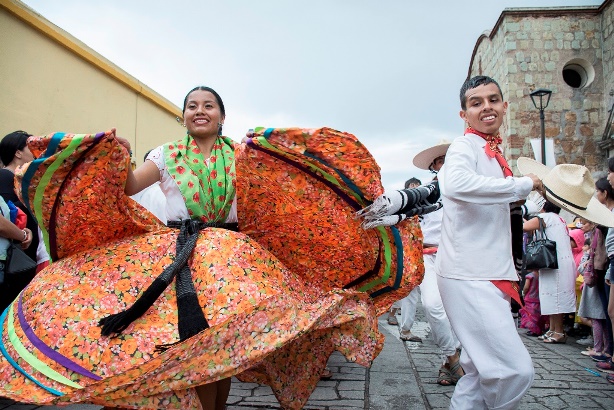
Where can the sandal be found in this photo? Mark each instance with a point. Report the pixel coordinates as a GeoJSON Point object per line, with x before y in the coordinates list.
{"type": "Point", "coordinates": [409, 337]}
{"type": "Point", "coordinates": [554, 339]}
{"type": "Point", "coordinates": [449, 376]}
{"type": "Point", "coordinates": [545, 335]}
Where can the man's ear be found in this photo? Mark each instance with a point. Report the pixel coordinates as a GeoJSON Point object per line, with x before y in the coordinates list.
{"type": "Point", "coordinates": [463, 115]}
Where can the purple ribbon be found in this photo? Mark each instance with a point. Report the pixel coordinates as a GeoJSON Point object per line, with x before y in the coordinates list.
{"type": "Point", "coordinates": [46, 350]}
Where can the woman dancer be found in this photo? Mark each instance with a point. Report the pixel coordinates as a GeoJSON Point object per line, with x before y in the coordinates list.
{"type": "Point", "coordinates": [197, 177]}
{"type": "Point", "coordinates": [119, 335]}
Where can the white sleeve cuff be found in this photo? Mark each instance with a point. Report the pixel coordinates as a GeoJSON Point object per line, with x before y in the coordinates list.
{"type": "Point", "coordinates": [524, 186]}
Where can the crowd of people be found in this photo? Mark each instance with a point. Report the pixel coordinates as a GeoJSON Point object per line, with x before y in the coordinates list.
{"type": "Point", "coordinates": [472, 236]}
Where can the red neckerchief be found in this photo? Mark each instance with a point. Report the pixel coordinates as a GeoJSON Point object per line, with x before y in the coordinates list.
{"type": "Point", "coordinates": [492, 149]}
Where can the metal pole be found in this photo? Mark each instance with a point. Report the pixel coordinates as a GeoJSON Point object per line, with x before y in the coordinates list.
{"type": "Point", "coordinates": [541, 117]}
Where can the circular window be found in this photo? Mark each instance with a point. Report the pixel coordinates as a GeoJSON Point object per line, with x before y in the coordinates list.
{"type": "Point", "coordinates": [578, 73]}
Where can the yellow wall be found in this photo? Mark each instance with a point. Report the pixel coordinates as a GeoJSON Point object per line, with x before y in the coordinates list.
{"type": "Point", "coordinates": [50, 82]}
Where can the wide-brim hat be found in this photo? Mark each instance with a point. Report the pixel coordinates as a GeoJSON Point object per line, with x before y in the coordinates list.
{"type": "Point", "coordinates": [424, 159]}
{"type": "Point", "coordinates": [571, 187]}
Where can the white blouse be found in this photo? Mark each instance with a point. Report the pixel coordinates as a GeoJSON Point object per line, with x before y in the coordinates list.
{"type": "Point", "coordinates": [175, 205]}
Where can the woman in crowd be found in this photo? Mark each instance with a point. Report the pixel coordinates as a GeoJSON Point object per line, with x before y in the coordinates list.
{"type": "Point", "coordinates": [590, 310]}
{"type": "Point", "coordinates": [556, 286]}
{"type": "Point", "coordinates": [608, 365]}
{"type": "Point", "coordinates": [15, 153]}
{"type": "Point", "coordinates": [605, 195]}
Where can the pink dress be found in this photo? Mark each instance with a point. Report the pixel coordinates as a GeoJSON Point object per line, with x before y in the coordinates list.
{"type": "Point", "coordinates": [530, 315]}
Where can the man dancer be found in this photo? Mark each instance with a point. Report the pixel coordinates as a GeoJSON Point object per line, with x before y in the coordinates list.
{"type": "Point", "coordinates": [474, 265]}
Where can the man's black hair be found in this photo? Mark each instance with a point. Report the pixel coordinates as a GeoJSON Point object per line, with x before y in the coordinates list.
{"type": "Point", "coordinates": [550, 207]}
{"type": "Point", "coordinates": [474, 82]}
{"type": "Point", "coordinates": [412, 180]}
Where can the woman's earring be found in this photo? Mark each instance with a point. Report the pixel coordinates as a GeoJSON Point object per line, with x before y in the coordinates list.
{"type": "Point", "coordinates": [180, 121]}
{"type": "Point", "coordinates": [219, 128]}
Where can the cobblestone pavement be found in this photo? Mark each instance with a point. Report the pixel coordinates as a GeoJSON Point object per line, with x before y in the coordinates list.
{"type": "Point", "coordinates": [404, 376]}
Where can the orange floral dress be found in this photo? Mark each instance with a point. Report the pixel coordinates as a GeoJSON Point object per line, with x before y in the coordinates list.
{"type": "Point", "coordinates": [278, 304]}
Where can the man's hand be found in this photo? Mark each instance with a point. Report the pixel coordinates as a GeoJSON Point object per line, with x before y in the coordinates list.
{"type": "Point", "coordinates": [537, 183]}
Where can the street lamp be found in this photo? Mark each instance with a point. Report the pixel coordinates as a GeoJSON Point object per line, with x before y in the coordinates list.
{"type": "Point", "coordinates": [544, 98]}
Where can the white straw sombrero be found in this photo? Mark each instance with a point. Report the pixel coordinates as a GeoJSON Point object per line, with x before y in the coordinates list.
{"type": "Point", "coordinates": [570, 187]}
{"type": "Point", "coordinates": [424, 159]}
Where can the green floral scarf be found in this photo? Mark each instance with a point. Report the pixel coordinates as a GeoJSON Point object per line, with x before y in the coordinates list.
{"type": "Point", "coordinates": [207, 189]}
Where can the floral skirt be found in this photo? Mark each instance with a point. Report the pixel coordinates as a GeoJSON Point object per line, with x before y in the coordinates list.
{"type": "Point", "coordinates": [268, 324]}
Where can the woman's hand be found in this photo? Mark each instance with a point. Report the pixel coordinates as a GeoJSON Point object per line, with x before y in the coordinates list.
{"type": "Point", "coordinates": [9, 230]}
{"type": "Point", "coordinates": [28, 238]}
{"type": "Point", "coordinates": [248, 135]}
{"type": "Point", "coordinates": [122, 141]}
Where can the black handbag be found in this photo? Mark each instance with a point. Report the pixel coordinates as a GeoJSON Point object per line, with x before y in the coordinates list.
{"type": "Point", "coordinates": [17, 262]}
{"type": "Point", "coordinates": [540, 252]}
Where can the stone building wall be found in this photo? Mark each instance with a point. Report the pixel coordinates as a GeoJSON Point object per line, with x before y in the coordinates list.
{"type": "Point", "coordinates": [528, 49]}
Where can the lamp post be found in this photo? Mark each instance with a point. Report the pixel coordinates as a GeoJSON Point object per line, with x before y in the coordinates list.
{"type": "Point", "coordinates": [541, 98]}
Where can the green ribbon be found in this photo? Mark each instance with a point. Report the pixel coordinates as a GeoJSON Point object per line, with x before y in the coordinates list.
{"type": "Point", "coordinates": [46, 179]}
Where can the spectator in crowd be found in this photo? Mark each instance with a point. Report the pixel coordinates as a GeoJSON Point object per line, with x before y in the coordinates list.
{"type": "Point", "coordinates": [581, 257]}
{"type": "Point", "coordinates": [556, 286]}
{"type": "Point", "coordinates": [590, 310]}
{"type": "Point", "coordinates": [14, 153]}
{"type": "Point", "coordinates": [608, 365]}
{"type": "Point", "coordinates": [605, 195]}
{"type": "Point", "coordinates": [409, 302]}
{"type": "Point", "coordinates": [530, 315]}
{"type": "Point", "coordinates": [9, 232]}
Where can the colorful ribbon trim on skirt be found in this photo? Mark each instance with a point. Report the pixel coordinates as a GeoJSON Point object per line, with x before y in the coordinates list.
{"type": "Point", "coordinates": [44, 181]}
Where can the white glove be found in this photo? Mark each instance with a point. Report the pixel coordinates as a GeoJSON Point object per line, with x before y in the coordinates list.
{"type": "Point", "coordinates": [530, 208]}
